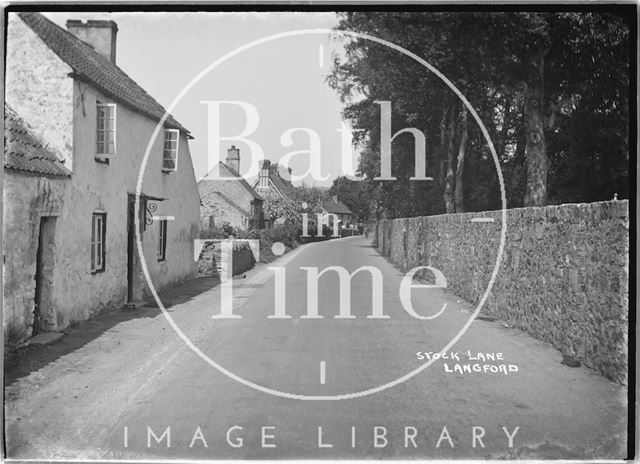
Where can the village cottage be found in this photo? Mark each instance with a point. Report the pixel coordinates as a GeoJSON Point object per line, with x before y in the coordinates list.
{"type": "Point", "coordinates": [334, 208]}
{"type": "Point", "coordinates": [273, 178]}
{"type": "Point", "coordinates": [274, 182]}
{"type": "Point", "coordinates": [69, 237]}
{"type": "Point", "coordinates": [35, 185]}
{"type": "Point", "coordinates": [227, 198]}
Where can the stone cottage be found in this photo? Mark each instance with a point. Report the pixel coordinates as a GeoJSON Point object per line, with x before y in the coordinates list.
{"type": "Point", "coordinates": [274, 181]}
{"type": "Point", "coordinates": [335, 208]}
{"type": "Point", "coordinates": [227, 198]}
{"type": "Point", "coordinates": [273, 178]}
{"type": "Point", "coordinates": [35, 185]}
{"type": "Point", "coordinates": [66, 86]}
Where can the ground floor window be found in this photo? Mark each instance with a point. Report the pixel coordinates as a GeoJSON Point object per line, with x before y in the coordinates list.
{"type": "Point", "coordinates": [98, 233]}
{"type": "Point", "coordinates": [162, 239]}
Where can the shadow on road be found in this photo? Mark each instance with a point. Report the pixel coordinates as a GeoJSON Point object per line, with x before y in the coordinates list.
{"type": "Point", "coordinates": [31, 358]}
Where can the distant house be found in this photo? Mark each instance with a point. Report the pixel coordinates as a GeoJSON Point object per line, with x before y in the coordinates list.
{"type": "Point", "coordinates": [274, 180]}
{"type": "Point", "coordinates": [334, 206]}
{"type": "Point", "coordinates": [69, 225]}
{"type": "Point", "coordinates": [225, 201]}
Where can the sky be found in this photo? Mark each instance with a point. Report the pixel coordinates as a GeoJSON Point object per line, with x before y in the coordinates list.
{"type": "Point", "coordinates": [283, 79]}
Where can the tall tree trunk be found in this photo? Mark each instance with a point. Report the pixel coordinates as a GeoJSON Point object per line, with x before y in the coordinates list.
{"type": "Point", "coordinates": [450, 180]}
{"type": "Point", "coordinates": [516, 176]}
{"type": "Point", "coordinates": [536, 147]}
{"type": "Point", "coordinates": [442, 170]}
{"type": "Point", "coordinates": [501, 143]}
{"type": "Point", "coordinates": [494, 195]}
{"type": "Point", "coordinates": [462, 151]}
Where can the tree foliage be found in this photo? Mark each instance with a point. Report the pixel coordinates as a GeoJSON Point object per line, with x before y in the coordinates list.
{"type": "Point", "coordinates": [290, 206]}
{"type": "Point", "coordinates": [355, 194]}
{"type": "Point", "coordinates": [552, 90]}
{"type": "Point", "coordinates": [283, 207]}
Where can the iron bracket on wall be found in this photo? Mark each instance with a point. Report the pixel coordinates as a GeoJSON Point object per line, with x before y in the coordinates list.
{"type": "Point", "coordinates": [151, 208]}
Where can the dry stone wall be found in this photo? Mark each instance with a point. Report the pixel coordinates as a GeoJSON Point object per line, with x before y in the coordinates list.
{"type": "Point", "coordinates": [564, 275]}
{"type": "Point", "coordinates": [210, 259]}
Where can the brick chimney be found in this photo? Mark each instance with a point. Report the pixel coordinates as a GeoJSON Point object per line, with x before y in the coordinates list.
{"type": "Point", "coordinates": [233, 158]}
{"type": "Point", "coordinates": [100, 34]}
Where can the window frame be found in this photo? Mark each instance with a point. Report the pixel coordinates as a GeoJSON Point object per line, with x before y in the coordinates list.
{"type": "Point", "coordinates": [161, 251]}
{"type": "Point", "coordinates": [98, 242]}
{"type": "Point", "coordinates": [164, 150]}
{"type": "Point", "coordinates": [113, 107]}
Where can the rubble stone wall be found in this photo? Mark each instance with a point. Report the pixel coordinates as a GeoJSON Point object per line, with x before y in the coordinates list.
{"type": "Point", "coordinates": [564, 275]}
{"type": "Point", "coordinates": [219, 207]}
{"type": "Point", "coordinates": [27, 199]}
{"type": "Point", "coordinates": [31, 65]}
{"type": "Point", "coordinates": [210, 259]}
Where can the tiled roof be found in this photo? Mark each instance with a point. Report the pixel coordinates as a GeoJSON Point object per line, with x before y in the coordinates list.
{"type": "Point", "coordinates": [23, 151]}
{"type": "Point", "coordinates": [226, 171]}
{"type": "Point", "coordinates": [243, 211]}
{"type": "Point", "coordinates": [279, 183]}
{"type": "Point", "coordinates": [91, 66]}
{"type": "Point", "coordinates": [338, 207]}
{"type": "Point", "coordinates": [282, 186]}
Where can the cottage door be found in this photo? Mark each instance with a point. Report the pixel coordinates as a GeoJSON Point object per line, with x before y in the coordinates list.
{"type": "Point", "coordinates": [134, 270]}
{"type": "Point", "coordinates": [44, 275]}
{"type": "Point", "coordinates": [131, 239]}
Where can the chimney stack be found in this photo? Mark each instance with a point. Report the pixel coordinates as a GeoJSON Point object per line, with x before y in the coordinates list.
{"type": "Point", "coordinates": [263, 178]}
{"type": "Point", "coordinates": [100, 34]}
{"type": "Point", "coordinates": [233, 158]}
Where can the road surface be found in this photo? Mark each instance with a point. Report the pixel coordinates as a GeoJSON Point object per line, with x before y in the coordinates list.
{"type": "Point", "coordinates": [112, 387]}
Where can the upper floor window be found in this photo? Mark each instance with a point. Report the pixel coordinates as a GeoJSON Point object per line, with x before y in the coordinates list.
{"type": "Point", "coordinates": [106, 129]}
{"type": "Point", "coordinates": [170, 152]}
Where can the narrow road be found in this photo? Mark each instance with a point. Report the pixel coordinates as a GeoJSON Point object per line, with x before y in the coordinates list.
{"type": "Point", "coordinates": [108, 387]}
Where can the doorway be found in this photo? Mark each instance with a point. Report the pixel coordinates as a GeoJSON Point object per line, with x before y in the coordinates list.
{"type": "Point", "coordinates": [133, 292]}
{"type": "Point", "coordinates": [43, 317]}
{"type": "Point", "coordinates": [131, 240]}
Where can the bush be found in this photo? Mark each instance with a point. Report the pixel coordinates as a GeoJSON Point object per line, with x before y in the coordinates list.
{"type": "Point", "coordinates": [219, 233]}
{"type": "Point", "coordinates": [288, 234]}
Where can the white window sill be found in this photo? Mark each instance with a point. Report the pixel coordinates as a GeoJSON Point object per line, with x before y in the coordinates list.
{"type": "Point", "coordinates": [102, 158]}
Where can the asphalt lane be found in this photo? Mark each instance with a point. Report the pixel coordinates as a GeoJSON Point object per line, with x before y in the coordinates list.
{"type": "Point", "coordinates": [143, 380]}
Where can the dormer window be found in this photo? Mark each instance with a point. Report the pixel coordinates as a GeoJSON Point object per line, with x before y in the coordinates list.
{"type": "Point", "coordinates": [106, 130]}
{"type": "Point", "coordinates": [170, 151]}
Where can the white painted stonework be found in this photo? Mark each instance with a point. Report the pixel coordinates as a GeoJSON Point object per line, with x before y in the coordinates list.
{"type": "Point", "coordinates": [62, 110]}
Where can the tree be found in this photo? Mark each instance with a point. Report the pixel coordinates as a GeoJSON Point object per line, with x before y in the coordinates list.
{"type": "Point", "coordinates": [355, 194]}
{"type": "Point", "coordinates": [277, 207]}
{"type": "Point", "coordinates": [542, 83]}
{"type": "Point", "coordinates": [309, 195]}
